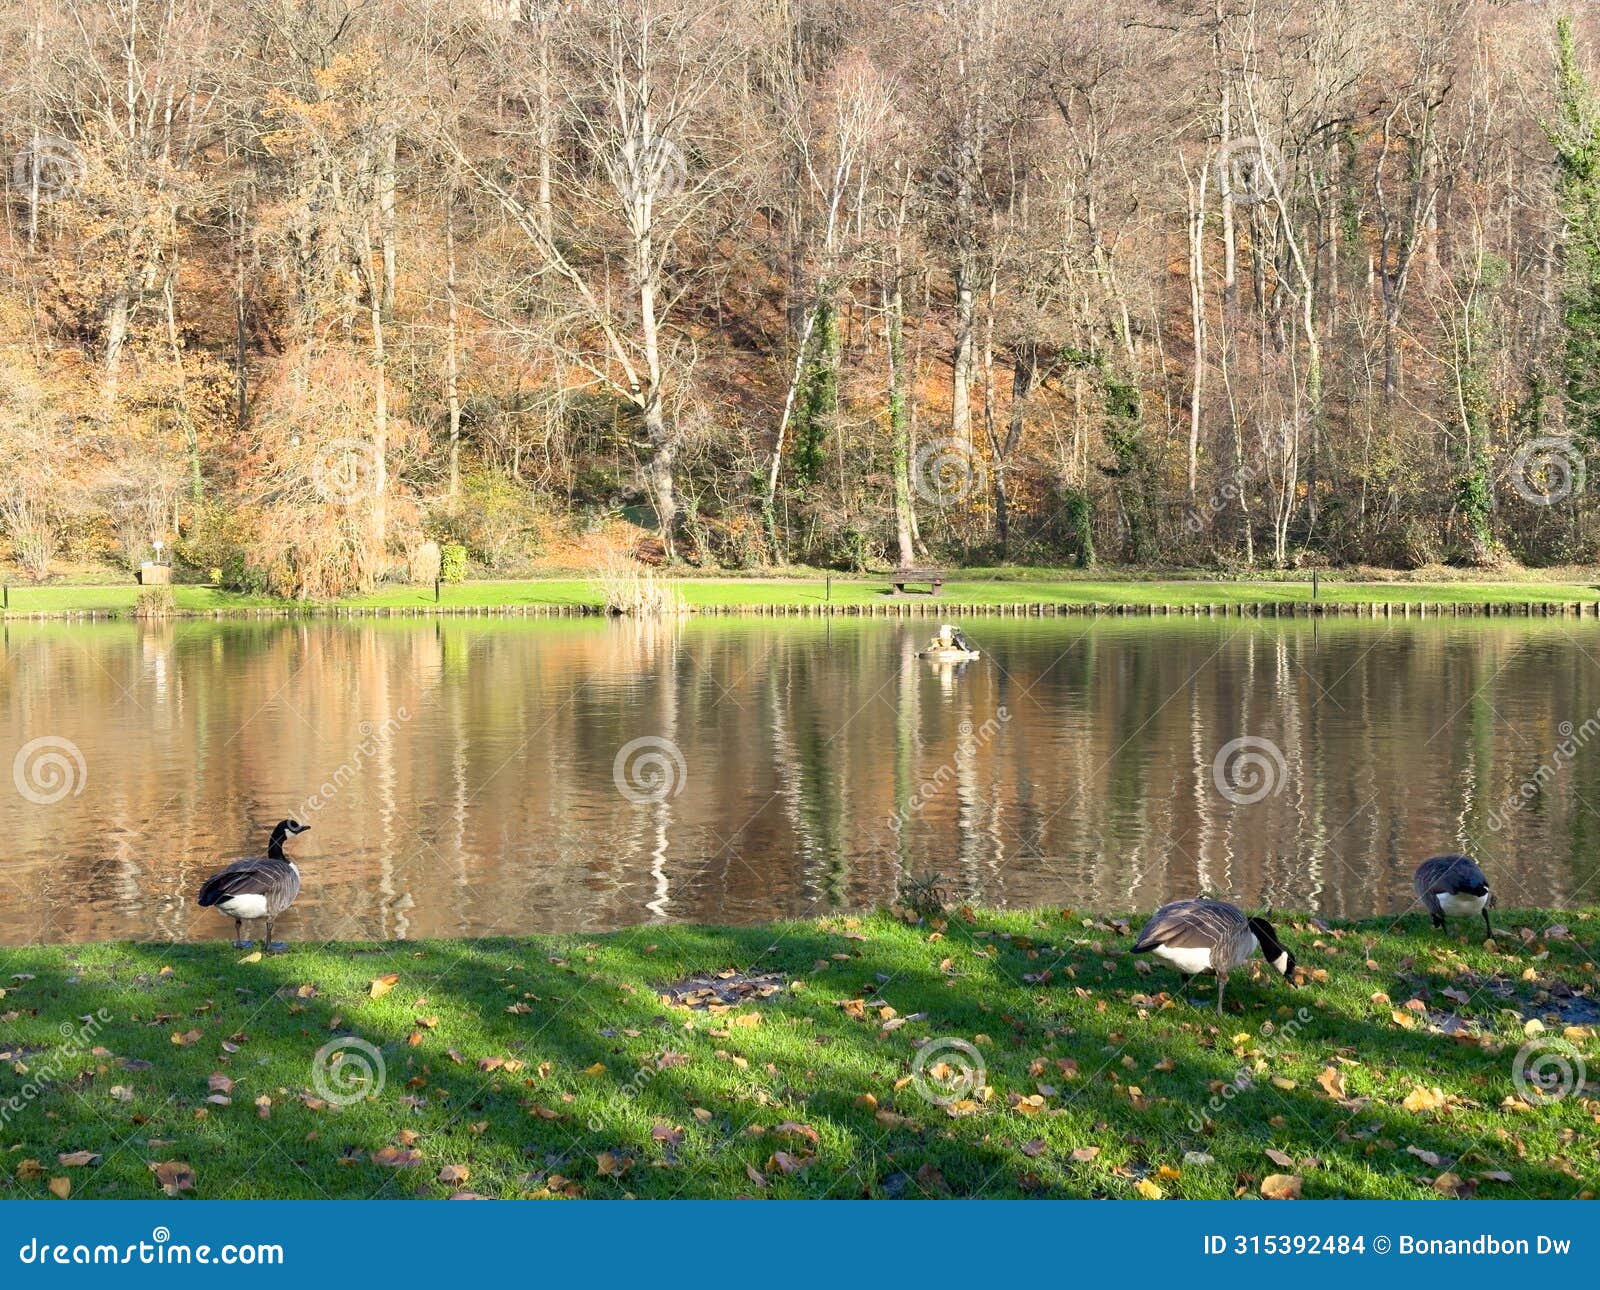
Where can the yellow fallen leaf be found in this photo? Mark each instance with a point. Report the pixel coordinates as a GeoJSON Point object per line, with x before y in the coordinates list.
{"type": "Point", "coordinates": [253, 957]}
{"type": "Point", "coordinates": [1148, 1189]}
{"type": "Point", "coordinates": [1424, 1099]}
{"type": "Point", "coordinates": [381, 986]}
{"type": "Point", "coordinates": [1331, 1081]}
{"type": "Point", "coordinates": [1282, 1186]}
{"type": "Point", "coordinates": [61, 1188]}
{"type": "Point", "coordinates": [599, 1068]}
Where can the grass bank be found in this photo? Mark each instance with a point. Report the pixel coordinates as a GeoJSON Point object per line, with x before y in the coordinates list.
{"type": "Point", "coordinates": [975, 590]}
{"type": "Point", "coordinates": [547, 1066]}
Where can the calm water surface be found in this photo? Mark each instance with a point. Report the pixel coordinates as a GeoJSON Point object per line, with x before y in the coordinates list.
{"type": "Point", "coordinates": [464, 777]}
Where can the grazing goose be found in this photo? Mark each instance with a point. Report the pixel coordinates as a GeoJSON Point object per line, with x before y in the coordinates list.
{"type": "Point", "coordinates": [1453, 885]}
{"type": "Point", "coordinates": [259, 887]}
{"type": "Point", "coordinates": [1211, 936]}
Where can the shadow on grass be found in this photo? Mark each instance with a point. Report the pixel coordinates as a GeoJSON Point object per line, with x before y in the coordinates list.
{"type": "Point", "coordinates": [551, 1065]}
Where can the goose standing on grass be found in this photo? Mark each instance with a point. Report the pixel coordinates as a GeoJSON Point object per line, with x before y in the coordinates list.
{"type": "Point", "coordinates": [1198, 936]}
{"type": "Point", "coordinates": [257, 887]}
{"type": "Point", "coordinates": [1454, 885]}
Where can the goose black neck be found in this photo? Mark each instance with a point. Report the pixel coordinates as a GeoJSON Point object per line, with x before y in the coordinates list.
{"type": "Point", "coordinates": [1266, 937]}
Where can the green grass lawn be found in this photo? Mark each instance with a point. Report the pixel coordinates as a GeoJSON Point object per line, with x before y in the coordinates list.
{"type": "Point", "coordinates": [552, 1066]}
{"type": "Point", "coordinates": [971, 587]}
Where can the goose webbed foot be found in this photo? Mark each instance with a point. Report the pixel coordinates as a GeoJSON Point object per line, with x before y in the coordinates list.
{"type": "Point", "coordinates": [244, 945]}
{"type": "Point", "coordinates": [1438, 921]}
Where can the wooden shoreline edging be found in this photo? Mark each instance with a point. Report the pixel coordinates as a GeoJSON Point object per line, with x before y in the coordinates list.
{"type": "Point", "coordinates": [889, 608]}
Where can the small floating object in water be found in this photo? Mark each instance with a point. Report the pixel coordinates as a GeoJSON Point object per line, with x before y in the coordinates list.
{"type": "Point", "coordinates": [949, 646]}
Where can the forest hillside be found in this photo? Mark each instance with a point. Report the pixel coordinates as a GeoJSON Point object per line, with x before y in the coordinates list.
{"type": "Point", "coordinates": [307, 291]}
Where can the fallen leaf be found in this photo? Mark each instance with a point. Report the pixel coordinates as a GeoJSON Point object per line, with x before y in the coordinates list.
{"type": "Point", "coordinates": [75, 1159]}
{"type": "Point", "coordinates": [61, 1188]}
{"type": "Point", "coordinates": [1331, 1082]}
{"type": "Point", "coordinates": [219, 1084]}
{"type": "Point", "coordinates": [613, 1164]}
{"type": "Point", "coordinates": [396, 1157]}
{"type": "Point", "coordinates": [1148, 1189]}
{"type": "Point", "coordinates": [381, 986]}
{"type": "Point", "coordinates": [1083, 1154]}
{"type": "Point", "coordinates": [184, 1039]}
{"type": "Point", "coordinates": [1280, 1158]}
{"type": "Point", "coordinates": [453, 1174]}
{"type": "Point", "coordinates": [1428, 1158]}
{"type": "Point", "coordinates": [174, 1176]}
{"type": "Point", "coordinates": [1423, 1099]}
{"type": "Point", "coordinates": [1282, 1186]}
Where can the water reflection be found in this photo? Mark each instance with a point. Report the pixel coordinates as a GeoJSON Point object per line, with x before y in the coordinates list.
{"type": "Point", "coordinates": [463, 777]}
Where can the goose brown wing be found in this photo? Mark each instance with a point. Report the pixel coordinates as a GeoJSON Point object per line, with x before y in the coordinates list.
{"type": "Point", "coordinates": [276, 880]}
{"type": "Point", "coordinates": [1190, 924]}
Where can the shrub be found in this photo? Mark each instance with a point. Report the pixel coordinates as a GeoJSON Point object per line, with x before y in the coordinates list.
{"type": "Point", "coordinates": [154, 602]}
{"type": "Point", "coordinates": [633, 588]}
{"type": "Point", "coordinates": [495, 518]}
{"type": "Point", "coordinates": [238, 574]}
{"type": "Point", "coordinates": [452, 562]}
{"type": "Point", "coordinates": [425, 563]}
{"type": "Point", "coordinates": [33, 530]}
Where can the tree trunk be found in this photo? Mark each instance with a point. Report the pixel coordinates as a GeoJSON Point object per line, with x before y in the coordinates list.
{"type": "Point", "coordinates": [964, 360]}
{"type": "Point", "coordinates": [452, 387]}
{"type": "Point", "coordinates": [899, 416]}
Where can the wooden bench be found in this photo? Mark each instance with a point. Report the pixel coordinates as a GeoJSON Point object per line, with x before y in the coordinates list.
{"type": "Point", "coordinates": [933, 577]}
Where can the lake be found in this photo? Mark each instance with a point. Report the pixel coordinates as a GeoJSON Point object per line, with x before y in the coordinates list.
{"type": "Point", "coordinates": [468, 777]}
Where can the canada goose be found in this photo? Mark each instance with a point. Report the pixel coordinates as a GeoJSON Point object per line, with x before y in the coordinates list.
{"type": "Point", "coordinates": [1453, 885]}
{"type": "Point", "coordinates": [257, 887]}
{"type": "Point", "coordinates": [1211, 936]}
